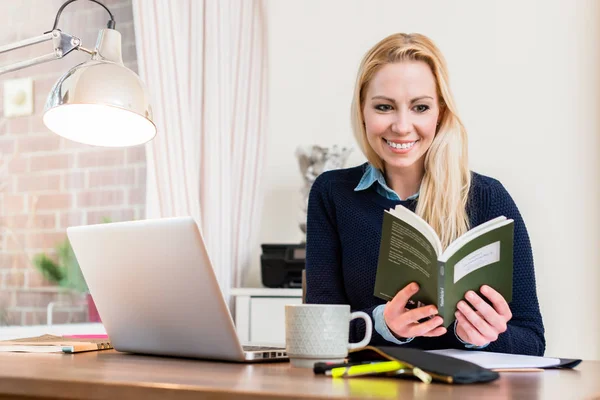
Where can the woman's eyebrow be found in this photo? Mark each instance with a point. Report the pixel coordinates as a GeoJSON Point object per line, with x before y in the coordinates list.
{"type": "Point", "coordinates": [384, 98]}
{"type": "Point", "coordinates": [394, 101]}
{"type": "Point", "coordinates": [421, 98]}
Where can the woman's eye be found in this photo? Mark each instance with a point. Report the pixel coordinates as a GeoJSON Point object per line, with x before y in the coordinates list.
{"type": "Point", "coordinates": [383, 107]}
{"type": "Point", "coordinates": [421, 108]}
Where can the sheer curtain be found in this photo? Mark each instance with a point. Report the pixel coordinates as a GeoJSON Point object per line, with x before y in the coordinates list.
{"type": "Point", "coordinates": [204, 62]}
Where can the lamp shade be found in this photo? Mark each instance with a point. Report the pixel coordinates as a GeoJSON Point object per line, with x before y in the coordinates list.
{"type": "Point", "coordinates": [101, 102]}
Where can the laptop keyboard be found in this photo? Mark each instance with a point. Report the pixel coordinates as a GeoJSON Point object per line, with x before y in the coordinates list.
{"type": "Point", "coordinates": [262, 348]}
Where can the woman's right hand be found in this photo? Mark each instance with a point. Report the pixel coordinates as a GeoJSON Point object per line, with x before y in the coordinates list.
{"type": "Point", "coordinates": [404, 323]}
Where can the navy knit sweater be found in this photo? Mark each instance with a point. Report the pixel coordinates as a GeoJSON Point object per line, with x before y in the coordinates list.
{"type": "Point", "coordinates": [342, 248]}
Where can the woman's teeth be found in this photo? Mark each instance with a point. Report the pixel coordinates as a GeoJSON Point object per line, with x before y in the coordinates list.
{"type": "Point", "coordinates": [401, 146]}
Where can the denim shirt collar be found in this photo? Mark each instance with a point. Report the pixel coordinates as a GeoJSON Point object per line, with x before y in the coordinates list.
{"type": "Point", "coordinates": [373, 176]}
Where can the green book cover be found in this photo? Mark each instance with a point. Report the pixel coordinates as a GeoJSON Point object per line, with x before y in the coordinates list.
{"type": "Point", "coordinates": [410, 251]}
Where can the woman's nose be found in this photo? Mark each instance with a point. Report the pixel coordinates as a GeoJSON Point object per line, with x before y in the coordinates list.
{"type": "Point", "coordinates": [401, 124]}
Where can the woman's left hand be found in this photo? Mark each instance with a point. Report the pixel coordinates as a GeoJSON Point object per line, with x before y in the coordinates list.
{"type": "Point", "coordinates": [482, 325]}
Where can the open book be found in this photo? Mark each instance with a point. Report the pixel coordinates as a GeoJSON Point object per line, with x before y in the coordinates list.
{"type": "Point", "coordinates": [502, 362]}
{"type": "Point", "coordinates": [54, 344]}
{"type": "Point", "coordinates": [411, 251]}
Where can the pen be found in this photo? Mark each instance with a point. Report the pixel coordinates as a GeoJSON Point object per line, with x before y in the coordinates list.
{"type": "Point", "coordinates": [365, 369]}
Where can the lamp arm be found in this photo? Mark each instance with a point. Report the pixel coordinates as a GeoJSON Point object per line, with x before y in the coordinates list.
{"type": "Point", "coordinates": [63, 44]}
{"type": "Point", "coordinates": [110, 24]}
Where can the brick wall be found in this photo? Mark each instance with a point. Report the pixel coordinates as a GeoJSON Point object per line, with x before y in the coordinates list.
{"type": "Point", "coordinates": [48, 183]}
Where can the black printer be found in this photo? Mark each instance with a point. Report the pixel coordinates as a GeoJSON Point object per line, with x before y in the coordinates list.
{"type": "Point", "coordinates": [282, 265]}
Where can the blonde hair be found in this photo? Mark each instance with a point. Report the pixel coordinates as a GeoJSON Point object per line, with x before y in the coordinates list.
{"type": "Point", "coordinates": [445, 187]}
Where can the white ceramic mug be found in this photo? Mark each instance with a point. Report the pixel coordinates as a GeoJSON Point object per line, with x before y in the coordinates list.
{"type": "Point", "coordinates": [320, 332]}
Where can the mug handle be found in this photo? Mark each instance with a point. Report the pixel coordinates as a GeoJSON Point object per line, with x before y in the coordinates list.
{"type": "Point", "coordinates": [368, 333]}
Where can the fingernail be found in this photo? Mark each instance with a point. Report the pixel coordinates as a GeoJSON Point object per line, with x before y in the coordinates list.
{"type": "Point", "coordinates": [415, 287]}
{"type": "Point", "coordinates": [471, 295]}
{"type": "Point", "coordinates": [485, 288]}
{"type": "Point", "coordinates": [433, 310]}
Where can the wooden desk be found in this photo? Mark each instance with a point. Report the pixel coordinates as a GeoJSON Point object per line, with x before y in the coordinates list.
{"type": "Point", "coordinates": [112, 375]}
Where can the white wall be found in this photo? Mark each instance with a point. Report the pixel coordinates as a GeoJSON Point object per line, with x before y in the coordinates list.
{"type": "Point", "coordinates": [525, 75]}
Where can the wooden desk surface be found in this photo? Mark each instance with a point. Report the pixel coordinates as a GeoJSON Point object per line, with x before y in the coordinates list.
{"type": "Point", "coordinates": [113, 375]}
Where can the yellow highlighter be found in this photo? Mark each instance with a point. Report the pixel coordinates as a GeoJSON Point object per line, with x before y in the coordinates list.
{"type": "Point", "coordinates": [366, 369]}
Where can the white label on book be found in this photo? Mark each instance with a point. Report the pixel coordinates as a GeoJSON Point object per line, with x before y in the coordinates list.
{"type": "Point", "coordinates": [478, 259]}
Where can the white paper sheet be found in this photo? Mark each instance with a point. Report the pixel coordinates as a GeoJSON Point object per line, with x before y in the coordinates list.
{"type": "Point", "coordinates": [499, 360]}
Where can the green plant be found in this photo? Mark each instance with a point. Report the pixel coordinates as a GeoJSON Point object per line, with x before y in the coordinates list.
{"type": "Point", "coordinates": [4, 319]}
{"type": "Point", "coordinates": [65, 271]}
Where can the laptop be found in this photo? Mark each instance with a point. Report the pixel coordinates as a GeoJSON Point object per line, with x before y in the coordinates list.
{"type": "Point", "coordinates": [156, 291]}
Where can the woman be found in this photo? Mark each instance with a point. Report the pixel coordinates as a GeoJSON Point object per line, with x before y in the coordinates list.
{"type": "Point", "coordinates": [405, 120]}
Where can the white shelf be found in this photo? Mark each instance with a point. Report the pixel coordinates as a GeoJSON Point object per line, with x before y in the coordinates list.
{"type": "Point", "coordinates": [260, 313]}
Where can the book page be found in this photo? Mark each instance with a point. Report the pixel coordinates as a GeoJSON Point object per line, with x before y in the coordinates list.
{"type": "Point", "coordinates": [54, 344]}
{"type": "Point", "coordinates": [420, 224]}
{"type": "Point", "coordinates": [472, 234]}
{"type": "Point", "coordinates": [31, 349]}
{"type": "Point", "coordinates": [44, 339]}
{"type": "Point", "coordinates": [492, 360]}
{"type": "Point", "coordinates": [52, 341]}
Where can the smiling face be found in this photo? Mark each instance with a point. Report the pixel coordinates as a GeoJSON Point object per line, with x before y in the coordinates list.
{"type": "Point", "coordinates": [401, 111]}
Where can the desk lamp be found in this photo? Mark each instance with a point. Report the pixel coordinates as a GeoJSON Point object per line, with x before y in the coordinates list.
{"type": "Point", "coordinates": [98, 102]}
